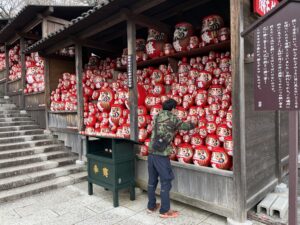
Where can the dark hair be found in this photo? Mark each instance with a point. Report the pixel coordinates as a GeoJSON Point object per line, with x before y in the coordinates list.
{"type": "Point", "coordinates": [169, 104]}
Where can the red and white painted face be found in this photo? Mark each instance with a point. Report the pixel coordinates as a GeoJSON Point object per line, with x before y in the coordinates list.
{"type": "Point", "coordinates": [186, 138]}
{"type": "Point", "coordinates": [194, 42]}
{"type": "Point", "coordinates": [177, 98]}
{"type": "Point", "coordinates": [177, 140]}
{"type": "Point", "coordinates": [228, 145]}
{"type": "Point", "coordinates": [150, 101]}
{"type": "Point", "coordinates": [181, 113]}
{"type": "Point", "coordinates": [126, 131]}
{"type": "Point", "coordinates": [202, 156]}
{"type": "Point", "coordinates": [142, 110]}
{"type": "Point", "coordinates": [106, 98]}
{"type": "Point", "coordinates": [203, 132]}
{"type": "Point", "coordinates": [184, 69]}
{"type": "Point", "coordinates": [192, 89]}
{"type": "Point", "coordinates": [155, 110]}
{"type": "Point", "coordinates": [225, 104]}
{"type": "Point", "coordinates": [224, 64]}
{"type": "Point", "coordinates": [193, 73]}
{"type": "Point", "coordinates": [229, 118]}
{"type": "Point", "coordinates": [212, 141]}
{"type": "Point", "coordinates": [201, 97]}
{"type": "Point", "coordinates": [224, 34]}
{"type": "Point", "coordinates": [223, 131]}
{"type": "Point", "coordinates": [217, 72]}
{"type": "Point", "coordinates": [211, 127]}
{"type": "Point", "coordinates": [185, 153]}
{"type": "Point", "coordinates": [104, 129]}
{"type": "Point", "coordinates": [157, 77]}
{"type": "Point", "coordinates": [210, 65]}
{"type": "Point", "coordinates": [168, 79]}
{"type": "Point", "coordinates": [222, 113]}
{"type": "Point", "coordinates": [193, 111]}
{"type": "Point", "coordinates": [173, 153]}
{"type": "Point", "coordinates": [210, 117]}
{"type": "Point", "coordinates": [220, 160]}
{"type": "Point", "coordinates": [142, 134]}
{"type": "Point", "coordinates": [144, 150]}
{"type": "Point", "coordinates": [116, 112]}
{"type": "Point", "coordinates": [158, 89]}
{"type": "Point", "coordinates": [212, 23]}
{"type": "Point", "coordinates": [204, 79]}
{"type": "Point", "coordinates": [215, 91]}
{"type": "Point", "coordinates": [175, 88]}
{"type": "Point", "coordinates": [188, 101]}
{"type": "Point", "coordinates": [181, 38]}
{"type": "Point", "coordinates": [183, 79]}
{"type": "Point", "coordinates": [214, 108]}
{"type": "Point", "coordinates": [199, 66]}
{"type": "Point", "coordinates": [168, 49]}
{"type": "Point", "coordinates": [200, 111]}
{"type": "Point", "coordinates": [89, 130]}
{"type": "Point", "coordinates": [196, 140]}
{"type": "Point", "coordinates": [164, 98]}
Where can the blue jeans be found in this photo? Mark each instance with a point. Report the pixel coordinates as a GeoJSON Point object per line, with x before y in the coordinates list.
{"type": "Point", "coordinates": [159, 166]}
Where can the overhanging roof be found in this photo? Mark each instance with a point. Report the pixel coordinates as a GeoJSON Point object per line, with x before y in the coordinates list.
{"type": "Point", "coordinates": [110, 12]}
{"type": "Point", "coordinates": [30, 12]}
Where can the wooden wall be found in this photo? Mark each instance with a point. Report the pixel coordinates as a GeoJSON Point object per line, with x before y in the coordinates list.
{"type": "Point", "coordinates": [261, 132]}
{"type": "Point", "coordinates": [39, 116]}
{"type": "Point", "coordinates": [2, 82]}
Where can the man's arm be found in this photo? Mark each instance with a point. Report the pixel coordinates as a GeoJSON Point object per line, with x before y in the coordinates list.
{"type": "Point", "coordinates": [183, 125]}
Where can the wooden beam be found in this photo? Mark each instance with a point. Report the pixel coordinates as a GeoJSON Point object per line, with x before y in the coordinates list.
{"type": "Point", "coordinates": [23, 70]}
{"type": "Point", "coordinates": [47, 89]}
{"type": "Point", "coordinates": [57, 20]}
{"type": "Point", "coordinates": [133, 93]}
{"type": "Point", "coordinates": [7, 67]}
{"type": "Point", "coordinates": [239, 124]}
{"type": "Point", "coordinates": [96, 45]}
{"type": "Point", "coordinates": [60, 45]}
{"type": "Point", "coordinates": [146, 21]}
{"type": "Point", "coordinates": [79, 87]}
{"type": "Point", "coordinates": [32, 25]}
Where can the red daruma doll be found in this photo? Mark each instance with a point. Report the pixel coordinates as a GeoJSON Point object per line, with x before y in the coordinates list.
{"type": "Point", "coordinates": [220, 159]}
{"type": "Point", "coordinates": [185, 153]}
{"type": "Point", "coordinates": [202, 156]}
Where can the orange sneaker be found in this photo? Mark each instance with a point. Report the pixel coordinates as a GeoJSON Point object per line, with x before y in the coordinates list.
{"type": "Point", "coordinates": [169, 214]}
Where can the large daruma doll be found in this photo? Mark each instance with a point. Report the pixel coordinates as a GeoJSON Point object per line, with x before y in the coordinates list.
{"type": "Point", "coordinates": [182, 34]}
{"type": "Point", "coordinates": [185, 153]}
{"type": "Point", "coordinates": [220, 160]}
{"type": "Point", "coordinates": [202, 156]}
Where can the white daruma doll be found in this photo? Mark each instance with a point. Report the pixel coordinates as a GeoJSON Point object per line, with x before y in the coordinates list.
{"type": "Point", "coordinates": [182, 34]}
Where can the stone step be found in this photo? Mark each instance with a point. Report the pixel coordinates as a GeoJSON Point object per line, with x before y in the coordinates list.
{"type": "Point", "coordinates": [31, 151]}
{"type": "Point", "coordinates": [40, 187]}
{"type": "Point", "coordinates": [16, 114]}
{"type": "Point", "coordinates": [4, 163]}
{"type": "Point", "coordinates": [34, 167]}
{"type": "Point", "coordinates": [15, 119]}
{"type": "Point", "coordinates": [19, 145]}
{"type": "Point", "coordinates": [22, 180]}
{"type": "Point", "coordinates": [16, 123]}
{"type": "Point", "coordinates": [17, 128]}
{"type": "Point", "coordinates": [7, 106]}
{"type": "Point", "coordinates": [21, 133]}
{"type": "Point", "coordinates": [25, 138]}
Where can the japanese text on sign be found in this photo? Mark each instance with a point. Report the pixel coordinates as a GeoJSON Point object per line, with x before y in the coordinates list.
{"type": "Point", "coordinates": [276, 65]}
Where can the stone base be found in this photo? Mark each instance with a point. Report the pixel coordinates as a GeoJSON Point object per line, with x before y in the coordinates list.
{"type": "Point", "coordinates": [232, 222]}
{"type": "Point", "coordinates": [22, 112]}
{"type": "Point", "coordinates": [138, 191]}
{"type": "Point", "coordinates": [80, 162]}
{"type": "Point", "coordinates": [6, 97]}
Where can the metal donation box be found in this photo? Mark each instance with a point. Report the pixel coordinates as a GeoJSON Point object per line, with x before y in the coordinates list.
{"type": "Point", "coordinates": [111, 165]}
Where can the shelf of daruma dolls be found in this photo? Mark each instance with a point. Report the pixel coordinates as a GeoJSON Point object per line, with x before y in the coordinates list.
{"type": "Point", "coordinates": [220, 47]}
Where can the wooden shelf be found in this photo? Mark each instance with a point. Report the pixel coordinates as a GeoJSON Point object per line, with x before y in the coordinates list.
{"type": "Point", "coordinates": [35, 93]}
{"type": "Point", "coordinates": [20, 92]}
{"type": "Point", "coordinates": [12, 81]}
{"type": "Point", "coordinates": [64, 130]}
{"type": "Point", "coordinates": [223, 46]}
{"type": "Point", "coordinates": [3, 80]}
{"type": "Point", "coordinates": [204, 169]}
{"type": "Point", "coordinates": [35, 108]}
{"type": "Point", "coordinates": [62, 112]}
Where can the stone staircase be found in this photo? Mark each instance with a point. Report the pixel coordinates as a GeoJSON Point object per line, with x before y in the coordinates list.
{"type": "Point", "coordinates": [31, 160]}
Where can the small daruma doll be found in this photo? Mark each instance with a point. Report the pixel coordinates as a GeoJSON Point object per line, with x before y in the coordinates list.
{"type": "Point", "coordinates": [228, 145]}
{"type": "Point", "coordinates": [202, 156]}
{"type": "Point", "coordinates": [204, 79]}
{"type": "Point", "coordinates": [144, 150]}
{"type": "Point", "coordinates": [212, 141]}
{"type": "Point", "coordinates": [173, 153]}
{"type": "Point", "coordinates": [182, 34]}
{"type": "Point", "coordinates": [201, 97]}
{"type": "Point", "coordinates": [219, 159]}
{"type": "Point", "coordinates": [185, 153]}
{"type": "Point", "coordinates": [223, 131]}
{"type": "Point", "coordinates": [106, 98]}
{"type": "Point", "coordinates": [115, 114]}
{"type": "Point", "coordinates": [196, 140]}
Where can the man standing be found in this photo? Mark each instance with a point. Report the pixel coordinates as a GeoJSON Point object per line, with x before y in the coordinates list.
{"type": "Point", "coordinates": [166, 124]}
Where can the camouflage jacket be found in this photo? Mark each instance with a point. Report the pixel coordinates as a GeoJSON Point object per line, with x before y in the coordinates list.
{"type": "Point", "coordinates": [168, 124]}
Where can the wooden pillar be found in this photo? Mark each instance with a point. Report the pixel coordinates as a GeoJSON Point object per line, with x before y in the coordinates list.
{"type": "Point", "coordinates": [238, 97]}
{"type": "Point", "coordinates": [23, 71]}
{"type": "Point", "coordinates": [7, 67]}
{"type": "Point", "coordinates": [47, 89]}
{"type": "Point", "coordinates": [133, 94]}
{"type": "Point", "coordinates": [278, 146]}
{"type": "Point", "coordinates": [79, 87]}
